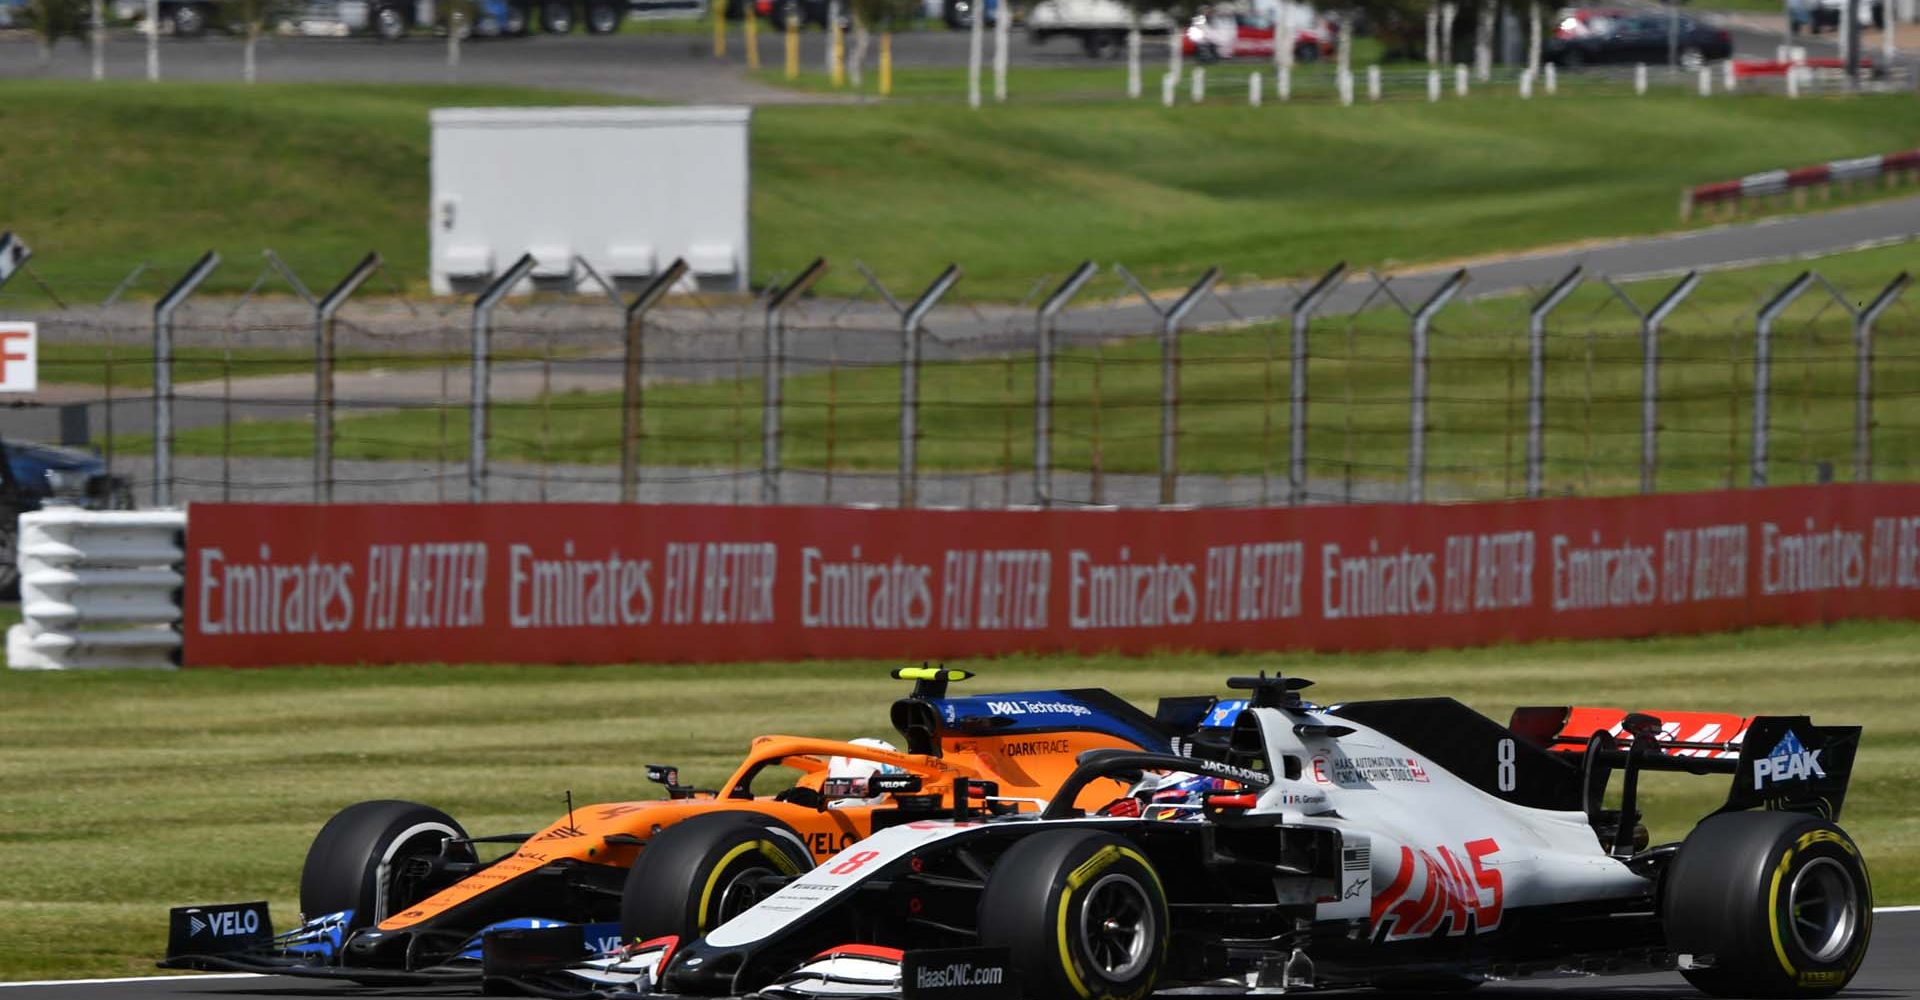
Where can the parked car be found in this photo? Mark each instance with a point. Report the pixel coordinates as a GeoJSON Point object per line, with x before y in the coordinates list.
{"type": "Point", "coordinates": [1250, 35]}
{"type": "Point", "coordinates": [800, 12]}
{"type": "Point", "coordinates": [1100, 26]}
{"type": "Point", "coordinates": [1590, 35]}
{"type": "Point", "coordinates": [40, 475]}
{"type": "Point", "coordinates": [184, 18]}
{"type": "Point", "coordinates": [1827, 15]}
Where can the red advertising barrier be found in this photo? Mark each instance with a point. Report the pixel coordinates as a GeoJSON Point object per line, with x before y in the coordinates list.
{"type": "Point", "coordinates": [589, 583]}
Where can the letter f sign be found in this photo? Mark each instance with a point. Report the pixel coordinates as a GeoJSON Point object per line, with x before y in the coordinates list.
{"type": "Point", "coordinates": [19, 357]}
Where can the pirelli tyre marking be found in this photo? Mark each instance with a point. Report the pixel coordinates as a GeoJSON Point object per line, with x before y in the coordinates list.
{"type": "Point", "coordinates": [1081, 876]}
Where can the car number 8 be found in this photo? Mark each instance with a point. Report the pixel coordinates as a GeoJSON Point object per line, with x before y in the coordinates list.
{"type": "Point", "coordinates": [1506, 765]}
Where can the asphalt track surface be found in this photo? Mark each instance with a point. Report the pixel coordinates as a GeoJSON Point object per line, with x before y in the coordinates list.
{"type": "Point", "coordinates": [1891, 972]}
{"type": "Point", "coordinates": [656, 67]}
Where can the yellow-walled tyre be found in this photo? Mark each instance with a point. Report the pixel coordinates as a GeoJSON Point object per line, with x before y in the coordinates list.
{"type": "Point", "coordinates": [1768, 904]}
{"type": "Point", "coordinates": [697, 874]}
{"type": "Point", "coordinates": [1082, 914]}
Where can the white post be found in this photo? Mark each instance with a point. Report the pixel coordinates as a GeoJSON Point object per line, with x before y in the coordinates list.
{"type": "Point", "coordinates": [1730, 78]}
{"type": "Point", "coordinates": [1706, 82]}
{"type": "Point", "coordinates": [1460, 79]}
{"type": "Point", "coordinates": [1433, 36]}
{"type": "Point", "coordinates": [1167, 82]}
{"type": "Point", "coordinates": [1483, 41]}
{"type": "Point", "coordinates": [1448, 11]}
{"type": "Point", "coordinates": [1433, 85]}
{"type": "Point", "coordinates": [1197, 84]}
{"type": "Point", "coordinates": [1253, 88]}
{"type": "Point", "coordinates": [1533, 38]}
{"type": "Point", "coordinates": [246, 56]}
{"type": "Point", "coordinates": [1346, 88]}
{"type": "Point", "coordinates": [1553, 79]}
{"type": "Point", "coordinates": [1283, 83]}
{"type": "Point", "coordinates": [1639, 78]}
{"type": "Point", "coordinates": [1176, 53]}
{"type": "Point", "coordinates": [99, 35]}
{"type": "Point", "coordinates": [153, 41]}
{"type": "Point", "coordinates": [1887, 47]}
{"type": "Point", "coordinates": [1793, 81]}
{"type": "Point", "coordinates": [455, 21]}
{"type": "Point", "coordinates": [1343, 48]}
{"type": "Point", "coordinates": [975, 38]}
{"type": "Point", "coordinates": [1001, 24]}
{"type": "Point", "coordinates": [1526, 84]}
{"type": "Point", "coordinates": [1283, 36]}
{"type": "Point", "coordinates": [1133, 61]}
{"type": "Point", "coordinates": [1373, 82]}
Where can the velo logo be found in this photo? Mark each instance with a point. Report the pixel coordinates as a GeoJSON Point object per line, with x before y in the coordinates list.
{"type": "Point", "coordinates": [225, 923]}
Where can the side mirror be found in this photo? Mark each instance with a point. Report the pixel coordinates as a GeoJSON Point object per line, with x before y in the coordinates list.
{"type": "Point", "coordinates": [893, 784]}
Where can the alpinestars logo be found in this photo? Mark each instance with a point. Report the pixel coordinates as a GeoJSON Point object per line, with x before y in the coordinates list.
{"type": "Point", "coordinates": [1789, 761]}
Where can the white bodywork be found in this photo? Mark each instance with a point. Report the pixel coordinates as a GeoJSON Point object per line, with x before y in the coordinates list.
{"type": "Point", "coordinates": [1424, 851]}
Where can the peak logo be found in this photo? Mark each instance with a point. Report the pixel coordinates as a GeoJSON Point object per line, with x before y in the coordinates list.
{"type": "Point", "coordinates": [1788, 761]}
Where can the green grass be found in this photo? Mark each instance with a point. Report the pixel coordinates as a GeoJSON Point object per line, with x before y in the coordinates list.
{"type": "Point", "coordinates": [101, 177]}
{"type": "Point", "coordinates": [128, 792]}
{"type": "Point", "coordinates": [977, 415]}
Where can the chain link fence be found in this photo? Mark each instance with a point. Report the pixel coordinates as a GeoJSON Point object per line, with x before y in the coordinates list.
{"type": "Point", "coordinates": [1098, 387]}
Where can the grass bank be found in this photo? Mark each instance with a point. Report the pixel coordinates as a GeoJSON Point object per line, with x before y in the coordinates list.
{"type": "Point", "coordinates": [128, 792]}
{"type": "Point", "coordinates": [101, 177]}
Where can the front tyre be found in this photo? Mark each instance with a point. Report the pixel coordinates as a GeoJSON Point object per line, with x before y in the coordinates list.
{"type": "Point", "coordinates": [1081, 913]}
{"type": "Point", "coordinates": [700, 873]}
{"type": "Point", "coordinates": [1780, 902]}
{"type": "Point", "coordinates": [360, 859]}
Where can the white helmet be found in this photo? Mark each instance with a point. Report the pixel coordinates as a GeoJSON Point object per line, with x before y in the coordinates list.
{"type": "Point", "coordinates": [850, 773]}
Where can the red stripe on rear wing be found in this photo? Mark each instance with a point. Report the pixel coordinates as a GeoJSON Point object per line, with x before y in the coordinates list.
{"type": "Point", "coordinates": [1682, 734]}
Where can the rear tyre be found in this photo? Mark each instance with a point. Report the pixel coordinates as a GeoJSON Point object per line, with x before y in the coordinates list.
{"type": "Point", "coordinates": [1306, 52]}
{"type": "Point", "coordinates": [1779, 901]}
{"type": "Point", "coordinates": [1081, 913]}
{"type": "Point", "coordinates": [359, 859]}
{"type": "Point", "coordinates": [700, 873]}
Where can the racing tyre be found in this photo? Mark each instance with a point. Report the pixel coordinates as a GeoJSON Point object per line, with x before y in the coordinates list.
{"type": "Point", "coordinates": [695, 875]}
{"type": "Point", "coordinates": [1081, 913]}
{"type": "Point", "coordinates": [1779, 900]}
{"type": "Point", "coordinates": [358, 860]}
{"type": "Point", "coordinates": [9, 554]}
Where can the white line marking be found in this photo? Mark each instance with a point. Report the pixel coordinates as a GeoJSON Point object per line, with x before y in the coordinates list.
{"type": "Point", "coordinates": [1896, 909]}
{"type": "Point", "coordinates": [132, 979]}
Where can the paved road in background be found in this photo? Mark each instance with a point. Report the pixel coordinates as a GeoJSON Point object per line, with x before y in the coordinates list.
{"type": "Point", "coordinates": [1891, 972]}
{"type": "Point", "coordinates": [673, 68]}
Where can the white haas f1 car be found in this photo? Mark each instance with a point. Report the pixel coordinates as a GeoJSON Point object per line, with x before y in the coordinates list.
{"type": "Point", "coordinates": [1401, 844]}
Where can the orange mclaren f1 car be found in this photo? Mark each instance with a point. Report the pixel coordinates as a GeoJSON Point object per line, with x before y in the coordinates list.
{"type": "Point", "coordinates": [396, 892]}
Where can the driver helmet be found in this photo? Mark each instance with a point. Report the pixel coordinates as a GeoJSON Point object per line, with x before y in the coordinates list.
{"type": "Point", "coordinates": [1173, 796]}
{"type": "Point", "coordinates": [846, 783]}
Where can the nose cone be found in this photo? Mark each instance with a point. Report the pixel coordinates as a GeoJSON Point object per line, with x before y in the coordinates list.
{"type": "Point", "coordinates": [700, 969]}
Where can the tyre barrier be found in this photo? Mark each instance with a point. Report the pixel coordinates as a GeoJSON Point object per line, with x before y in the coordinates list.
{"type": "Point", "coordinates": [99, 589]}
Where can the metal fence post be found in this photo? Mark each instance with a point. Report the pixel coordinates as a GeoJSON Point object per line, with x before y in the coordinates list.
{"type": "Point", "coordinates": [1417, 418]}
{"type": "Point", "coordinates": [1303, 310]}
{"type": "Point", "coordinates": [1650, 376]}
{"type": "Point", "coordinates": [1537, 374]}
{"type": "Point", "coordinates": [633, 369]}
{"type": "Point", "coordinates": [163, 374]}
{"type": "Point", "coordinates": [482, 373]}
{"type": "Point", "coordinates": [910, 382]}
{"type": "Point", "coordinates": [323, 314]}
{"type": "Point", "coordinates": [1763, 370]}
{"type": "Point", "coordinates": [1170, 382]}
{"type": "Point", "coordinates": [773, 371]}
{"type": "Point", "coordinates": [1863, 375]}
{"type": "Point", "coordinates": [1043, 379]}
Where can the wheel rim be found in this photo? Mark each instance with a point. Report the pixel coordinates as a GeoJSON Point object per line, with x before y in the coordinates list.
{"type": "Point", "coordinates": [390, 24]}
{"type": "Point", "coordinates": [1824, 909]}
{"type": "Point", "coordinates": [741, 893]}
{"type": "Point", "coordinates": [1117, 927]}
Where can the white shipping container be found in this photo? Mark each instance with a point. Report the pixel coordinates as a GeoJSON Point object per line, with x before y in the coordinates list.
{"type": "Point", "coordinates": [626, 189]}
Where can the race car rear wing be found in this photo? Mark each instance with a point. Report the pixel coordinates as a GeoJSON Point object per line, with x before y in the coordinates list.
{"type": "Point", "coordinates": [1777, 762]}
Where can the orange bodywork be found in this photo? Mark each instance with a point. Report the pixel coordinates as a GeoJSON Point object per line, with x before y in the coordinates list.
{"type": "Point", "coordinates": [1025, 766]}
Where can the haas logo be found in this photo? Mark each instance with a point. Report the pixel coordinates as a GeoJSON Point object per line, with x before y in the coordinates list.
{"type": "Point", "coordinates": [228, 923]}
